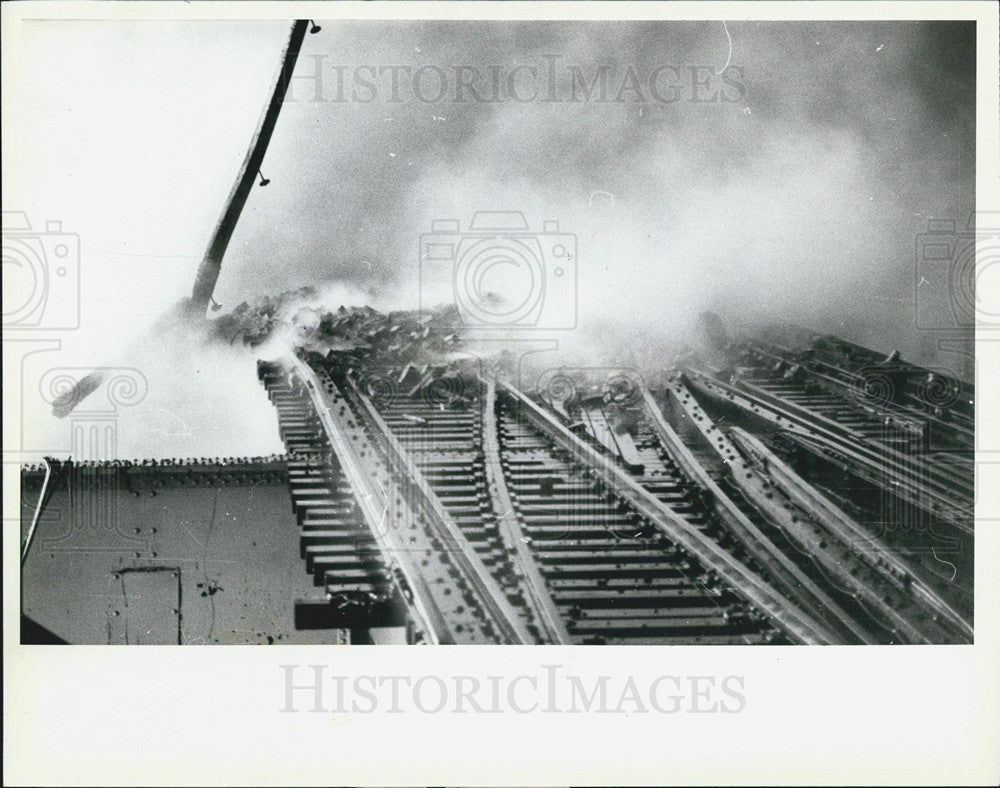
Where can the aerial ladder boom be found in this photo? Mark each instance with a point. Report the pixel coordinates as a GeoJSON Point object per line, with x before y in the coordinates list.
{"type": "Point", "coordinates": [211, 264]}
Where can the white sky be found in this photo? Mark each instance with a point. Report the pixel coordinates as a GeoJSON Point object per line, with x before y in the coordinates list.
{"type": "Point", "coordinates": [132, 139]}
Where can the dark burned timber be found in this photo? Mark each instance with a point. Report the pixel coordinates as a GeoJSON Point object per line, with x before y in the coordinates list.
{"type": "Point", "coordinates": [817, 496]}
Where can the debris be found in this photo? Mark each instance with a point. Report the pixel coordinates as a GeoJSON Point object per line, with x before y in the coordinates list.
{"type": "Point", "coordinates": [408, 339]}
{"type": "Point", "coordinates": [64, 403]}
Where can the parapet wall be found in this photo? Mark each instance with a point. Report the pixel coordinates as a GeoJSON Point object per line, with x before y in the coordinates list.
{"type": "Point", "coordinates": [134, 475]}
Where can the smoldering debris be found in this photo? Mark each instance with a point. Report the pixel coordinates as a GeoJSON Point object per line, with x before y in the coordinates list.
{"type": "Point", "coordinates": [296, 316]}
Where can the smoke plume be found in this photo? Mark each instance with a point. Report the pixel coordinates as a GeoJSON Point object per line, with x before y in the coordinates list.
{"type": "Point", "coordinates": [796, 195]}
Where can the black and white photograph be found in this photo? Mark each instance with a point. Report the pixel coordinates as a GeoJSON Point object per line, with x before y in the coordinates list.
{"type": "Point", "coordinates": [397, 324]}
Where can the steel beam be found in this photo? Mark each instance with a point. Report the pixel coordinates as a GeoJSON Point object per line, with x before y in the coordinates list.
{"type": "Point", "coordinates": [510, 527]}
{"type": "Point", "coordinates": [797, 622]}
